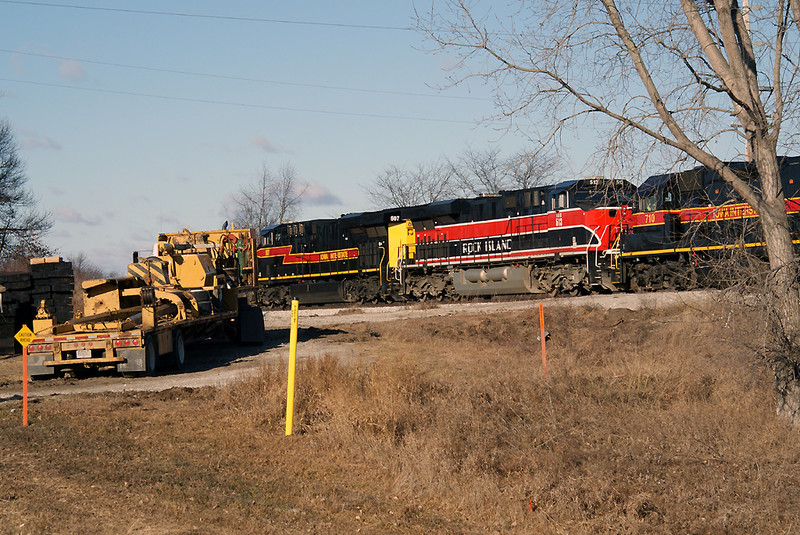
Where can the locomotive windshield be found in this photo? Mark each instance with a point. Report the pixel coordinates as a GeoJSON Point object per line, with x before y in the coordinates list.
{"type": "Point", "coordinates": [592, 198]}
{"type": "Point", "coordinates": [651, 203]}
{"type": "Point", "coordinates": [594, 193]}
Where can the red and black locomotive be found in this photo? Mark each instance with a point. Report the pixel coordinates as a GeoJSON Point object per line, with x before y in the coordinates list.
{"type": "Point", "coordinates": [566, 243]}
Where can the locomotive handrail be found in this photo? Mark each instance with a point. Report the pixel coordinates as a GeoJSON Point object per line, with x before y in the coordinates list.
{"type": "Point", "coordinates": [600, 242]}
{"type": "Point", "coordinates": [589, 247]}
{"type": "Point", "coordinates": [510, 231]}
{"type": "Point", "coordinates": [400, 264]}
{"type": "Point", "coordinates": [613, 264]}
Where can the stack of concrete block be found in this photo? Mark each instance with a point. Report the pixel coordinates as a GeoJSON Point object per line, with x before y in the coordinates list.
{"type": "Point", "coordinates": [53, 283]}
{"type": "Point", "coordinates": [50, 280]}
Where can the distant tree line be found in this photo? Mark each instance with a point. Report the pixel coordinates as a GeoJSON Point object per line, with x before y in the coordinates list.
{"type": "Point", "coordinates": [474, 172]}
{"type": "Point", "coordinates": [277, 196]}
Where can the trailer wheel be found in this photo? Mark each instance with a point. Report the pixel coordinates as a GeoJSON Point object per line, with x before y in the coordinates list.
{"type": "Point", "coordinates": [178, 352]}
{"type": "Point", "coordinates": [150, 355]}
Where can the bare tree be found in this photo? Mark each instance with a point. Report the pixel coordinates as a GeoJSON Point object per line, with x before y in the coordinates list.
{"type": "Point", "coordinates": [656, 74]}
{"type": "Point", "coordinates": [84, 269]}
{"type": "Point", "coordinates": [22, 226]}
{"type": "Point", "coordinates": [528, 169]}
{"type": "Point", "coordinates": [289, 193]}
{"type": "Point", "coordinates": [480, 172]}
{"type": "Point", "coordinates": [268, 200]}
{"type": "Point", "coordinates": [425, 183]}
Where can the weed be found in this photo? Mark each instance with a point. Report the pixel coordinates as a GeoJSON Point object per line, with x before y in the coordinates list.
{"type": "Point", "coordinates": [648, 423]}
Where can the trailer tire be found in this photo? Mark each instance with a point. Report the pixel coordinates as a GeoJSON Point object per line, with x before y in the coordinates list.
{"type": "Point", "coordinates": [178, 349]}
{"type": "Point", "coordinates": [150, 355]}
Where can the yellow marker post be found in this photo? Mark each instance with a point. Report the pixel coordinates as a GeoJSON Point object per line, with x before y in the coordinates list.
{"type": "Point", "coordinates": [24, 337]}
{"type": "Point", "coordinates": [292, 363]}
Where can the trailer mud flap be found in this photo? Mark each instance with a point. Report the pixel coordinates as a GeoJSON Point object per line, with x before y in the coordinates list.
{"type": "Point", "coordinates": [251, 325]}
{"type": "Point", "coordinates": [134, 360]}
{"type": "Point", "coordinates": [36, 367]}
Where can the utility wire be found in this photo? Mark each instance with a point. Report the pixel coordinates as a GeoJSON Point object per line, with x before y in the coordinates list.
{"type": "Point", "coordinates": [238, 104]}
{"type": "Point", "coordinates": [240, 78]}
{"type": "Point", "coordinates": [219, 17]}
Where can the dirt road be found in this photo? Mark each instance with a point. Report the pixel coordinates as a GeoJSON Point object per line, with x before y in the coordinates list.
{"type": "Point", "coordinates": [322, 331]}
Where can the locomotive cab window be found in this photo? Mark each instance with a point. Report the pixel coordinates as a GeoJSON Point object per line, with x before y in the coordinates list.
{"type": "Point", "coordinates": [650, 203]}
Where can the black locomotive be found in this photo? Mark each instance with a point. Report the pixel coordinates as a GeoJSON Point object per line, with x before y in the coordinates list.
{"type": "Point", "coordinates": [686, 222]}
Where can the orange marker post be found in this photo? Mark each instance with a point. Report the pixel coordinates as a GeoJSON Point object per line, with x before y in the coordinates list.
{"type": "Point", "coordinates": [25, 386]}
{"type": "Point", "coordinates": [542, 337]}
{"type": "Point", "coordinates": [24, 337]}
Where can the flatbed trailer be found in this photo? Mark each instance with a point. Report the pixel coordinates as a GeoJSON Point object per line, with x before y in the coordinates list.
{"type": "Point", "coordinates": [131, 351]}
{"type": "Point", "coordinates": [198, 286]}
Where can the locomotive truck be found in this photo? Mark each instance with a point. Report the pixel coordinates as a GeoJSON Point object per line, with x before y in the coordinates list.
{"type": "Point", "coordinates": [195, 285]}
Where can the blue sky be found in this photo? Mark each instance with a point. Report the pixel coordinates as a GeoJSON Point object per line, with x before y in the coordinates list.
{"type": "Point", "coordinates": [123, 137]}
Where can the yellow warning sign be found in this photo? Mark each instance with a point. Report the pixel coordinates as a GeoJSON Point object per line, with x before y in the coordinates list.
{"type": "Point", "coordinates": [24, 336]}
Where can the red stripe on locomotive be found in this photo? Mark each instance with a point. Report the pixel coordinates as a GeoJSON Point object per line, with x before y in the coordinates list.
{"type": "Point", "coordinates": [600, 221]}
{"type": "Point", "coordinates": [307, 258]}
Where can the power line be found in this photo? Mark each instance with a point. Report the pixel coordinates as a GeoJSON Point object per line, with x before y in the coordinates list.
{"type": "Point", "coordinates": [239, 78]}
{"type": "Point", "coordinates": [238, 104]}
{"type": "Point", "coordinates": [218, 17]}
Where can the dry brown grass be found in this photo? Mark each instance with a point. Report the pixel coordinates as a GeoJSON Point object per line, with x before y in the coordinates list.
{"type": "Point", "coordinates": [650, 422]}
